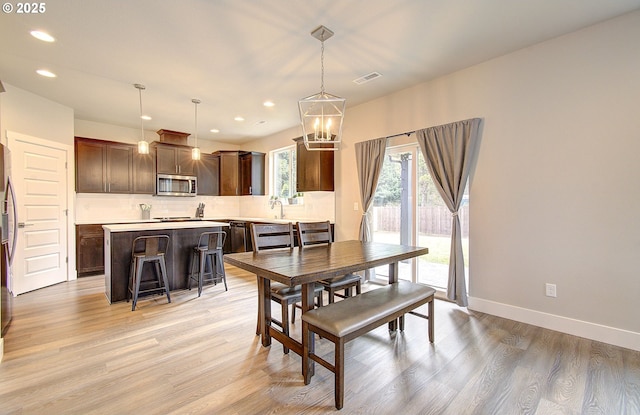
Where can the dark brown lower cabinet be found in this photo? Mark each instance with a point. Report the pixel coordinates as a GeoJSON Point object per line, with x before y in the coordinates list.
{"type": "Point", "coordinates": [89, 250]}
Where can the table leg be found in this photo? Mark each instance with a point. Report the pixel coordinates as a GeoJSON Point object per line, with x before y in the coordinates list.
{"type": "Point", "coordinates": [308, 367]}
{"type": "Point", "coordinates": [264, 309]}
{"type": "Point", "coordinates": [393, 277]}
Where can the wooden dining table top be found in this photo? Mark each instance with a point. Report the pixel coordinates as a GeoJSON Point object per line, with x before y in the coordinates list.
{"type": "Point", "coordinates": [292, 266]}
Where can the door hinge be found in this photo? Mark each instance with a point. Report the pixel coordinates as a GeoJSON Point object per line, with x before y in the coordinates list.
{"type": "Point", "coordinates": [65, 165]}
{"type": "Point", "coordinates": [66, 212]}
{"type": "Point", "coordinates": [66, 260]}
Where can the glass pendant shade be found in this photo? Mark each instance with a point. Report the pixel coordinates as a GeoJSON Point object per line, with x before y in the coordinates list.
{"type": "Point", "coordinates": [143, 147]}
{"type": "Point", "coordinates": [195, 153]}
{"type": "Point", "coordinates": [321, 116]}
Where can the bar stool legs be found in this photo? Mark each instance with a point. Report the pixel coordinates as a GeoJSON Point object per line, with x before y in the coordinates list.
{"type": "Point", "coordinates": [207, 261]}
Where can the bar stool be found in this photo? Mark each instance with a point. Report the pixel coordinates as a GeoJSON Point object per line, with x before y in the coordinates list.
{"type": "Point", "coordinates": [151, 249]}
{"type": "Point", "coordinates": [208, 252]}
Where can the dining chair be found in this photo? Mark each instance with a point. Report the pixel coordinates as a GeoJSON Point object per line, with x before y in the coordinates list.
{"type": "Point", "coordinates": [314, 233]}
{"type": "Point", "coordinates": [273, 236]}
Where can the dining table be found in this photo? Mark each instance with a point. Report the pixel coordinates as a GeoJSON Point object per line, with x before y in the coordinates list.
{"type": "Point", "coordinates": [305, 266]}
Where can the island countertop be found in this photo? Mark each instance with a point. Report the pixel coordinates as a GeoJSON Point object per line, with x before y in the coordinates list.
{"type": "Point", "coordinates": [159, 226]}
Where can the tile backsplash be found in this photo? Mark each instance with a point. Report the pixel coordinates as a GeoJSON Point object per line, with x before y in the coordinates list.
{"type": "Point", "coordinates": [110, 208]}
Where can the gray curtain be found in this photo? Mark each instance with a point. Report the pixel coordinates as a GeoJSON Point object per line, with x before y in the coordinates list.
{"type": "Point", "coordinates": [369, 161]}
{"type": "Point", "coordinates": [447, 150]}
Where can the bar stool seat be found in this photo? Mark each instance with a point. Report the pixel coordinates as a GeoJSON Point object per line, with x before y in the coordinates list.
{"type": "Point", "coordinates": [148, 249]}
{"type": "Point", "coordinates": [207, 262]}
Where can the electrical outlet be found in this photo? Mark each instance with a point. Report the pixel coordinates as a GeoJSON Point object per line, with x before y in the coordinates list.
{"type": "Point", "coordinates": [355, 205]}
{"type": "Point", "coordinates": [550, 290]}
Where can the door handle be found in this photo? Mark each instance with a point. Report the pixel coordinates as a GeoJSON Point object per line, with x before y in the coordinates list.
{"type": "Point", "coordinates": [24, 225]}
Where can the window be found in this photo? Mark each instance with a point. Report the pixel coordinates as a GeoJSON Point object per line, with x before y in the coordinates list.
{"type": "Point", "coordinates": [283, 172]}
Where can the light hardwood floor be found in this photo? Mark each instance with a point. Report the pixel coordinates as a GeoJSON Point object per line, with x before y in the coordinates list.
{"type": "Point", "coordinates": [69, 352]}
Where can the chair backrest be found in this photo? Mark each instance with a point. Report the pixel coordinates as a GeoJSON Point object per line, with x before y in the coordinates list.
{"type": "Point", "coordinates": [271, 236]}
{"type": "Point", "coordinates": [313, 233]}
{"type": "Point", "coordinates": [212, 240]}
{"type": "Point", "coordinates": [150, 245]}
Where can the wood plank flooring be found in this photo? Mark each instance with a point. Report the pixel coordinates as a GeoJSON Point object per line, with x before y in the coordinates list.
{"type": "Point", "coordinates": [69, 352]}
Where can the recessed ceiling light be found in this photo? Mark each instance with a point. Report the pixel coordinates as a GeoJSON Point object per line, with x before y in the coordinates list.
{"type": "Point", "coordinates": [45, 37]}
{"type": "Point", "coordinates": [146, 117]}
{"type": "Point", "coordinates": [214, 130]}
{"type": "Point", "coordinates": [268, 104]}
{"type": "Point", "coordinates": [239, 118]}
{"type": "Point", "coordinates": [46, 73]}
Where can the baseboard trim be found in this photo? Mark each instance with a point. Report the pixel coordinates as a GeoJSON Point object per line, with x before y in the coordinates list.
{"type": "Point", "coordinates": [580, 328]}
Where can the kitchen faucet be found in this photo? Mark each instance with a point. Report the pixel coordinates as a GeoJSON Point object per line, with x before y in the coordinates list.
{"type": "Point", "coordinates": [272, 204]}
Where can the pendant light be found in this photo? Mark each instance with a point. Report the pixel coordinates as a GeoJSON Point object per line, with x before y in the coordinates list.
{"type": "Point", "coordinates": [143, 145]}
{"type": "Point", "coordinates": [322, 114]}
{"type": "Point", "coordinates": [195, 151]}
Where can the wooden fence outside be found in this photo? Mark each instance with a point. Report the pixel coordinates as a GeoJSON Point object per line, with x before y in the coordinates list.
{"type": "Point", "coordinates": [433, 220]}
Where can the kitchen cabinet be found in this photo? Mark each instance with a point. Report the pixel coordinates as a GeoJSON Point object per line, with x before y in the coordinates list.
{"type": "Point", "coordinates": [314, 169]}
{"type": "Point", "coordinates": [207, 170]}
{"type": "Point", "coordinates": [240, 173]}
{"type": "Point", "coordinates": [228, 172]}
{"type": "Point", "coordinates": [89, 250]}
{"type": "Point", "coordinates": [111, 167]}
{"type": "Point", "coordinates": [251, 173]}
{"type": "Point", "coordinates": [144, 173]}
{"type": "Point", "coordinates": [103, 166]}
{"type": "Point", "coordinates": [174, 159]}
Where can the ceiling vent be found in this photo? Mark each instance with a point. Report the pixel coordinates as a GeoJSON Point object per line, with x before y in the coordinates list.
{"type": "Point", "coordinates": [367, 78]}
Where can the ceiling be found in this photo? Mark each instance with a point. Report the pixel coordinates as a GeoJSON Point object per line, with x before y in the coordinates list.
{"type": "Point", "coordinates": [234, 55]}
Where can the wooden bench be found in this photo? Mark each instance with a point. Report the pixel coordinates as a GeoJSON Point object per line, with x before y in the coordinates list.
{"type": "Point", "coordinates": [345, 320]}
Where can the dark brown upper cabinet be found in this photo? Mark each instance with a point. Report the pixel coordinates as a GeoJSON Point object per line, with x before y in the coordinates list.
{"type": "Point", "coordinates": [314, 169]}
{"type": "Point", "coordinates": [251, 173]}
{"type": "Point", "coordinates": [111, 167]}
{"type": "Point", "coordinates": [241, 173]}
{"type": "Point", "coordinates": [207, 170]}
{"type": "Point", "coordinates": [174, 159]}
{"type": "Point", "coordinates": [103, 167]}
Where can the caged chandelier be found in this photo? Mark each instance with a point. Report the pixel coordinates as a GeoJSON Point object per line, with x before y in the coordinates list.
{"type": "Point", "coordinates": [322, 114]}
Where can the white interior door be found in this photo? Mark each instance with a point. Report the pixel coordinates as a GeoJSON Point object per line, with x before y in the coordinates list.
{"type": "Point", "coordinates": [38, 171]}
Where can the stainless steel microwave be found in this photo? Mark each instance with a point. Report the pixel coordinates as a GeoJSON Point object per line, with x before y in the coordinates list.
{"type": "Point", "coordinates": [173, 185]}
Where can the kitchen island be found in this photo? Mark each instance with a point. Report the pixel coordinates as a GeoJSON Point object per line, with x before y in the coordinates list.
{"type": "Point", "coordinates": [118, 239]}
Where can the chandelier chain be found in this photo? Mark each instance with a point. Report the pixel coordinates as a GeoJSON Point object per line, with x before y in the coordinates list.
{"type": "Point", "coordinates": [322, 67]}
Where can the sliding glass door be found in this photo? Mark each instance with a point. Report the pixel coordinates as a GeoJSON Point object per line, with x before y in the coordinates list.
{"type": "Point", "coordinates": [408, 210]}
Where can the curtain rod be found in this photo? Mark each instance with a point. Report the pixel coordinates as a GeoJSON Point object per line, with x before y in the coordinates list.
{"type": "Point", "coordinates": [408, 133]}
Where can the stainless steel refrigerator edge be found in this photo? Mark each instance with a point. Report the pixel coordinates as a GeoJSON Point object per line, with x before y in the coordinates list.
{"type": "Point", "coordinates": [9, 235]}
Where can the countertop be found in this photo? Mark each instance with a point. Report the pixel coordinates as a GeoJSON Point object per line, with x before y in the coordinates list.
{"type": "Point", "coordinates": [215, 219]}
{"type": "Point", "coordinates": [270, 220]}
{"type": "Point", "coordinates": [157, 225]}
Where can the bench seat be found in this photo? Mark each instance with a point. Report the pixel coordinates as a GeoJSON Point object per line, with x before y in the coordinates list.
{"type": "Point", "coordinates": [345, 320]}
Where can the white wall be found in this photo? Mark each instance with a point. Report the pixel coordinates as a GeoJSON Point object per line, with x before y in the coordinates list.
{"type": "Point", "coordinates": [555, 190]}
{"type": "Point", "coordinates": [28, 114]}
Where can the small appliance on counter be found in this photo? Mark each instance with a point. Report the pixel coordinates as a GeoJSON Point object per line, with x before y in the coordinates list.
{"type": "Point", "coordinates": [200, 211]}
{"type": "Point", "coordinates": [146, 211]}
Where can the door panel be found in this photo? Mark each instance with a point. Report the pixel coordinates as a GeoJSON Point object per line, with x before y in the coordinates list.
{"type": "Point", "coordinates": [40, 177]}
